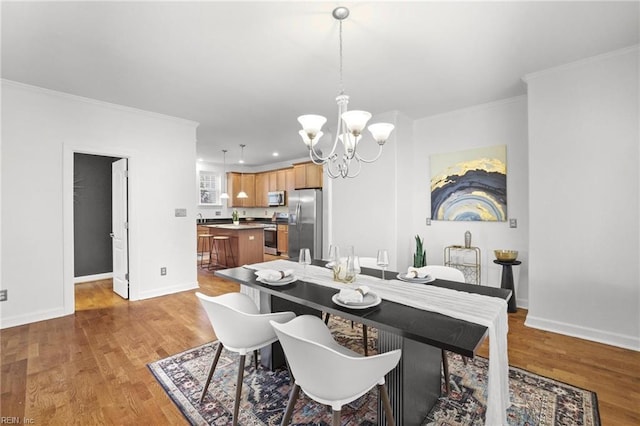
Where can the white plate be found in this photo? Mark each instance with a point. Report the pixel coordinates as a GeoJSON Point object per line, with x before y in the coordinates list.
{"type": "Point", "coordinates": [403, 277]}
{"type": "Point", "coordinates": [369, 300]}
{"type": "Point", "coordinates": [283, 281]}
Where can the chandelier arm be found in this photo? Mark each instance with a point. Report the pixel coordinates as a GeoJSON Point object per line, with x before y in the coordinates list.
{"type": "Point", "coordinates": [364, 160]}
{"type": "Point", "coordinates": [331, 166]}
{"type": "Point", "coordinates": [350, 169]}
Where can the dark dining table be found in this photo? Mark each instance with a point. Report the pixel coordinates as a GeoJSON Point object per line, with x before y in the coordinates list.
{"type": "Point", "coordinates": [415, 384]}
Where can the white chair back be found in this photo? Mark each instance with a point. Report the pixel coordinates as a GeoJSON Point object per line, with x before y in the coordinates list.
{"type": "Point", "coordinates": [445, 272]}
{"type": "Point", "coordinates": [326, 371]}
{"type": "Point", "coordinates": [238, 323]}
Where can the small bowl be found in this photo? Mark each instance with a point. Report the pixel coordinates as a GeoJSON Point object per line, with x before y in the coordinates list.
{"type": "Point", "coordinates": [506, 255]}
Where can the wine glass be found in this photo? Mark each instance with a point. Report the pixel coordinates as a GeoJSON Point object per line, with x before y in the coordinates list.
{"type": "Point", "coordinates": [334, 255]}
{"type": "Point", "coordinates": [305, 259]}
{"type": "Point", "coordinates": [382, 260]}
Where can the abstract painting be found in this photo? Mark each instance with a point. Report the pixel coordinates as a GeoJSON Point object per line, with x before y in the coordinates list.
{"type": "Point", "coordinates": [470, 185]}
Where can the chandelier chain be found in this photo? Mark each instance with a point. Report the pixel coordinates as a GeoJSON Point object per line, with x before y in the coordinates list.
{"type": "Point", "coordinates": [341, 59]}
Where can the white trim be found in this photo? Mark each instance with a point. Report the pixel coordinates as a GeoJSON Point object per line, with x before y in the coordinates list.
{"type": "Point", "coordinates": [582, 62]}
{"type": "Point", "coordinates": [473, 108]}
{"type": "Point", "coordinates": [99, 103]}
{"type": "Point", "coordinates": [157, 292]}
{"type": "Point", "coordinates": [95, 277]}
{"type": "Point", "coordinates": [32, 317]}
{"type": "Point", "coordinates": [608, 338]}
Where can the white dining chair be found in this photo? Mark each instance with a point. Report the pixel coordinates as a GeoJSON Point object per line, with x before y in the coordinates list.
{"type": "Point", "coordinates": [328, 372]}
{"type": "Point", "coordinates": [241, 328]}
{"type": "Point", "coordinates": [450, 274]}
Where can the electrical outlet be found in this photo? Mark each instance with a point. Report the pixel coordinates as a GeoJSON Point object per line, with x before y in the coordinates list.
{"type": "Point", "coordinates": [428, 221]}
{"type": "Point", "coordinates": [513, 223]}
{"type": "Point", "coordinates": [163, 271]}
{"type": "Point", "coordinates": [3, 295]}
{"type": "Point", "coordinates": [218, 213]}
{"type": "Point", "coordinates": [180, 212]}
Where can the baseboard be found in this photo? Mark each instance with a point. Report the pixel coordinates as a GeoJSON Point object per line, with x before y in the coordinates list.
{"type": "Point", "coordinates": [157, 292]}
{"type": "Point", "coordinates": [32, 317]}
{"type": "Point", "coordinates": [96, 277]}
{"type": "Point", "coordinates": [608, 338]}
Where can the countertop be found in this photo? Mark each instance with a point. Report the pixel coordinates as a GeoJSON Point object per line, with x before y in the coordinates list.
{"type": "Point", "coordinates": [241, 227]}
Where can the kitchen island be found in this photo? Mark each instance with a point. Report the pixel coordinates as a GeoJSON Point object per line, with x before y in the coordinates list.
{"type": "Point", "coordinates": [247, 241]}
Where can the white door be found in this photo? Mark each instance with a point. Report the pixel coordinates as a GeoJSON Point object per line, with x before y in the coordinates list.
{"type": "Point", "coordinates": [119, 228]}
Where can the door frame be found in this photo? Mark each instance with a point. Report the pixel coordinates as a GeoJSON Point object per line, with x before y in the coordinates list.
{"type": "Point", "coordinates": [68, 290]}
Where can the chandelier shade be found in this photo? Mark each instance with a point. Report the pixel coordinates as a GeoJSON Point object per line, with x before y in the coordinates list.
{"type": "Point", "coordinates": [348, 130]}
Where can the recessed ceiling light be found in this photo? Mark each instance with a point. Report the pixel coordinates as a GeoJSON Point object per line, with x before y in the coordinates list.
{"type": "Point", "coordinates": [200, 159]}
{"type": "Point", "coordinates": [275, 154]}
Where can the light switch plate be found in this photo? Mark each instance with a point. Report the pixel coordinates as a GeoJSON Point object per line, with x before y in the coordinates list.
{"type": "Point", "coordinates": [3, 295]}
{"type": "Point", "coordinates": [513, 223]}
{"type": "Point", "coordinates": [181, 212]}
{"type": "Point", "coordinates": [428, 221]}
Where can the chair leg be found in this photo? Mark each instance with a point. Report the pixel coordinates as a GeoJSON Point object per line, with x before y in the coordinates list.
{"type": "Point", "coordinates": [255, 358]}
{"type": "Point", "coordinates": [211, 370]}
{"type": "Point", "coordinates": [365, 340]}
{"type": "Point", "coordinates": [336, 418]}
{"type": "Point", "coordinates": [388, 414]}
{"type": "Point", "coordinates": [445, 369]}
{"type": "Point", "coordinates": [236, 406]}
{"type": "Point", "coordinates": [293, 397]}
{"type": "Point", "coordinates": [326, 318]}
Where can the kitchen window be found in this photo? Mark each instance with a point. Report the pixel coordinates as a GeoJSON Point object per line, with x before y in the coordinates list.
{"type": "Point", "coordinates": [209, 188]}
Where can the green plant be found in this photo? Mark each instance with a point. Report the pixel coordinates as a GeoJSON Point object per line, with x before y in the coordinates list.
{"type": "Point", "coordinates": [420, 256]}
{"type": "Point", "coordinates": [235, 216]}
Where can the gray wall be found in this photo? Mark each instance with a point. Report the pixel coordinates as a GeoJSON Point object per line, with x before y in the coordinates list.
{"type": "Point", "coordinates": [92, 214]}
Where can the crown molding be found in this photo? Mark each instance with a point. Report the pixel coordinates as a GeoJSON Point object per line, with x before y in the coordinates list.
{"type": "Point", "coordinates": [99, 103]}
{"type": "Point", "coordinates": [579, 63]}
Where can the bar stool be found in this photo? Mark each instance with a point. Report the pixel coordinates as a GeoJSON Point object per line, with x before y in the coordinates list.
{"type": "Point", "coordinates": [203, 239]}
{"type": "Point", "coordinates": [223, 242]}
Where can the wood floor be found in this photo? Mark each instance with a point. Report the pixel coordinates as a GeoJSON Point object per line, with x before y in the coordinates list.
{"type": "Point", "coordinates": [91, 367]}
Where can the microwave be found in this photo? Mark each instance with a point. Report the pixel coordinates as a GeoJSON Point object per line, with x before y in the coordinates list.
{"type": "Point", "coordinates": [276, 198]}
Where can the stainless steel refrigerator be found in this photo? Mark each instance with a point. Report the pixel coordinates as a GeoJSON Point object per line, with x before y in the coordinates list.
{"type": "Point", "coordinates": [305, 222]}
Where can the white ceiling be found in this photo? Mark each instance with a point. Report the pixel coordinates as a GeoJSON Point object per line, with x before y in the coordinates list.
{"type": "Point", "coordinates": [246, 70]}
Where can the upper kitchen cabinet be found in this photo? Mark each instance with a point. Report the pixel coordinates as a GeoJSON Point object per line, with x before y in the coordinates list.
{"type": "Point", "coordinates": [237, 182]}
{"type": "Point", "coordinates": [307, 175]}
{"type": "Point", "coordinates": [262, 189]}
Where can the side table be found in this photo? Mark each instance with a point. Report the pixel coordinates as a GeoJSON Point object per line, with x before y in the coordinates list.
{"type": "Point", "coordinates": [507, 282]}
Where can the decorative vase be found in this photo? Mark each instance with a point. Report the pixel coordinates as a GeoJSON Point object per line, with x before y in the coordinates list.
{"type": "Point", "coordinates": [344, 270]}
{"type": "Point", "coordinates": [236, 222]}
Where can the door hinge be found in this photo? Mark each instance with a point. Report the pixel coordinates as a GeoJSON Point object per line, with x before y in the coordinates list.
{"type": "Point", "coordinates": [126, 225]}
{"type": "Point", "coordinates": [126, 173]}
{"type": "Point", "coordinates": [126, 276]}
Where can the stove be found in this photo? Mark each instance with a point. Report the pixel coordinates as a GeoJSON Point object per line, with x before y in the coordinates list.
{"type": "Point", "coordinates": [271, 233]}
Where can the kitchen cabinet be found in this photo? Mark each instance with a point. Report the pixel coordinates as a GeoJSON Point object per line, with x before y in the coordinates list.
{"type": "Point", "coordinates": [290, 182]}
{"type": "Point", "coordinates": [281, 180]}
{"type": "Point", "coordinates": [283, 239]}
{"type": "Point", "coordinates": [307, 175]}
{"type": "Point", "coordinates": [273, 181]}
{"type": "Point", "coordinates": [237, 182]}
{"type": "Point", "coordinates": [262, 189]}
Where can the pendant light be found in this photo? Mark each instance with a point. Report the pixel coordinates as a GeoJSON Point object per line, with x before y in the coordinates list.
{"type": "Point", "coordinates": [224, 195]}
{"type": "Point", "coordinates": [242, 194]}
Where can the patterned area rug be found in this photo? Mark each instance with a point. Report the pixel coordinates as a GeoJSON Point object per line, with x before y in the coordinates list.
{"type": "Point", "coordinates": [536, 400]}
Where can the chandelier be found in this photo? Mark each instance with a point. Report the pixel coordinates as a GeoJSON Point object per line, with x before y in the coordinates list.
{"type": "Point", "coordinates": [348, 131]}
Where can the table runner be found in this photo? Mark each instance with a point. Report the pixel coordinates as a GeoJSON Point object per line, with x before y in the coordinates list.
{"type": "Point", "coordinates": [488, 311]}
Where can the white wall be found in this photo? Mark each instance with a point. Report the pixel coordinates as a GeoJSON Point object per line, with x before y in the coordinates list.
{"type": "Point", "coordinates": [497, 123]}
{"type": "Point", "coordinates": [40, 131]}
{"type": "Point", "coordinates": [584, 190]}
{"type": "Point", "coordinates": [363, 210]}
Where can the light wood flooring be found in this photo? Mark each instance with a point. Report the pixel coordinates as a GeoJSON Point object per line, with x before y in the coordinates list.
{"type": "Point", "coordinates": [91, 367]}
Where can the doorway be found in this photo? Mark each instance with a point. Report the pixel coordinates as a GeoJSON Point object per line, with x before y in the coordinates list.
{"type": "Point", "coordinates": [75, 227]}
